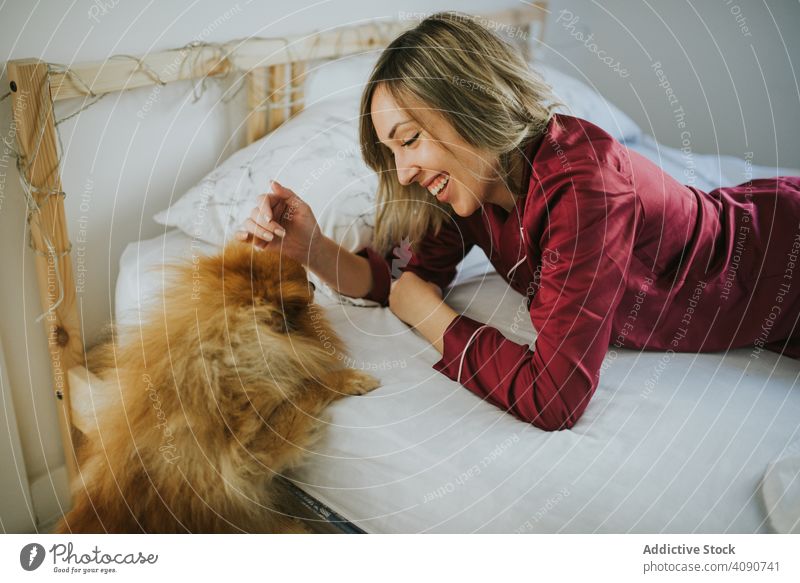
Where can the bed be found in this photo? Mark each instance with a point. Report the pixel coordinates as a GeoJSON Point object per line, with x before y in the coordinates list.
{"type": "Point", "coordinates": [669, 443]}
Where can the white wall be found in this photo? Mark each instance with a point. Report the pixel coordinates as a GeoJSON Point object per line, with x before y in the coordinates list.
{"type": "Point", "coordinates": [16, 509]}
{"type": "Point", "coordinates": [732, 65]}
{"type": "Point", "coordinates": [125, 158]}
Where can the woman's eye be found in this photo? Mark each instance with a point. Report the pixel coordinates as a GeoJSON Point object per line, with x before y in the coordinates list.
{"type": "Point", "coordinates": [411, 140]}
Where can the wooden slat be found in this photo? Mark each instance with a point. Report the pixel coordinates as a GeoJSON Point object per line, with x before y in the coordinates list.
{"type": "Point", "coordinates": [297, 92]}
{"type": "Point", "coordinates": [120, 74]}
{"type": "Point", "coordinates": [196, 62]}
{"type": "Point", "coordinates": [278, 91]}
{"type": "Point", "coordinates": [32, 105]}
{"type": "Point", "coordinates": [257, 82]}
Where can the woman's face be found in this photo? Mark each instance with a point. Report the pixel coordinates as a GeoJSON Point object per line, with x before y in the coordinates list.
{"type": "Point", "coordinates": [431, 153]}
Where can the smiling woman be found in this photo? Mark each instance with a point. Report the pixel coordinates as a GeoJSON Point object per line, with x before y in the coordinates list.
{"type": "Point", "coordinates": [437, 114]}
{"type": "Point", "coordinates": [601, 242]}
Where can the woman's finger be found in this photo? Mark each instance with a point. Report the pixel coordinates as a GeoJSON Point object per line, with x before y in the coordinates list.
{"type": "Point", "coordinates": [259, 219]}
{"type": "Point", "coordinates": [258, 231]}
{"type": "Point", "coordinates": [262, 214]}
{"type": "Point", "coordinates": [280, 191]}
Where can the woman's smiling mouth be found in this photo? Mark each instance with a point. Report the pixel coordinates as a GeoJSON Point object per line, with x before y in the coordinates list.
{"type": "Point", "coordinates": [437, 186]}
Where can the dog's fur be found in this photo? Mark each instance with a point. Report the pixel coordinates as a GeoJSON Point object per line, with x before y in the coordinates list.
{"type": "Point", "coordinates": [219, 391]}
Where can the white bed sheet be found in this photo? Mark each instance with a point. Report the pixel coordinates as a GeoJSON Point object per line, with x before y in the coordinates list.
{"type": "Point", "coordinates": [674, 444]}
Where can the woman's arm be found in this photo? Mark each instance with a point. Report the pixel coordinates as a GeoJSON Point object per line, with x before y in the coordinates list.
{"type": "Point", "coordinates": [434, 263]}
{"type": "Point", "coordinates": [592, 235]}
{"type": "Point", "coordinates": [346, 272]}
{"type": "Point", "coordinates": [283, 222]}
{"type": "Point", "coordinates": [419, 304]}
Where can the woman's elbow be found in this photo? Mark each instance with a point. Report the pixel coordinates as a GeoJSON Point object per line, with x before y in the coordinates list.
{"type": "Point", "coordinates": [551, 423]}
{"type": "Point", "coordinates": [555, 415]}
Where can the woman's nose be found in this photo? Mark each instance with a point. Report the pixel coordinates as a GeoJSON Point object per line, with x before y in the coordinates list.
{"type": "Point", "coordinates": [406, 173]}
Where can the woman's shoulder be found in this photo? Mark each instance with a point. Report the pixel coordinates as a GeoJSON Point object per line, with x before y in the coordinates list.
{"type": "Point", "coordinates": [576, 154]}
{"type": "Point", "coordinates": [579, 173]}
{"type": "Point", "coordinates": [574, 143]}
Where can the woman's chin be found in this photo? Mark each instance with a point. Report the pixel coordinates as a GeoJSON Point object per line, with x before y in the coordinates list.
{"type": "Point", "coordinates": [462, 209]}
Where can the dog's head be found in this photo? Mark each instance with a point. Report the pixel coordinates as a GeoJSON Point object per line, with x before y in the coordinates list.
{"type": "Point", "coordinates": [270, 286]}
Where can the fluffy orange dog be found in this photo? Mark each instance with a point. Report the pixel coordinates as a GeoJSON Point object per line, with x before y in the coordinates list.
{"type": "Point", "coordinates": [218, 392]}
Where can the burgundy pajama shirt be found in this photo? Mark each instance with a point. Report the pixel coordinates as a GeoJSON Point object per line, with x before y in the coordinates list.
{"type": "Point", "coordinates": [609, 250]}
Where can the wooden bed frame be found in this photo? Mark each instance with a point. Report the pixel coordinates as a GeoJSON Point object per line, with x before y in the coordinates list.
{"type": "Point", "coordinates": [273, 71]}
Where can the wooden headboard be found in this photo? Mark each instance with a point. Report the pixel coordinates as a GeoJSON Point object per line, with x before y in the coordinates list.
{"type": "Point", "coordinates": [273, 71]}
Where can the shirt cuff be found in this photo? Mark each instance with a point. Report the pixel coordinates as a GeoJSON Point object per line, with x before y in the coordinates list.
{"type": "Point", "coordinates": [381, 276]}
{"type": "Point", "coordinates": [456, 340]}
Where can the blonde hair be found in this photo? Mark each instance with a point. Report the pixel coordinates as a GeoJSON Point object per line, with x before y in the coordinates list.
{"type": "Point", "coordinates": [481, 86]}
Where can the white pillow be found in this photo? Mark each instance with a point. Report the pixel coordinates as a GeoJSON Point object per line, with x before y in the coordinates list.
{"type": "Point", "coordinates": [584, 102]}
{"type": "Point", "coordinates": [316, 154]}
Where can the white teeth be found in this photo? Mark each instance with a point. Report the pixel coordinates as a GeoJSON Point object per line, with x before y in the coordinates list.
{"type": "Point", "coordinates": [434, 190]}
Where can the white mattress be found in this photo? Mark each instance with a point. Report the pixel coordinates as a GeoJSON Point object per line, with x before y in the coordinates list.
{"type": "Point", "coordinates": [666, 445]}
